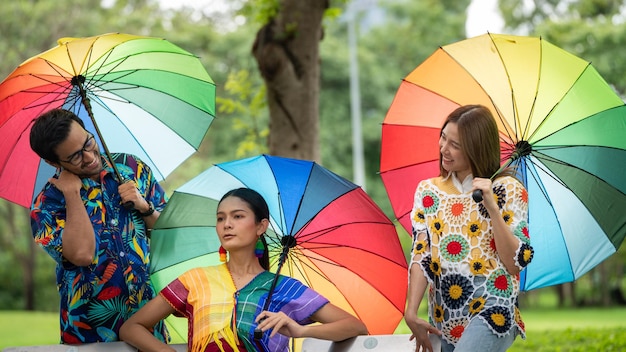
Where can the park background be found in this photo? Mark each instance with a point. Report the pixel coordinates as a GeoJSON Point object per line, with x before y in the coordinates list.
{"type": "Point", "coordinates": [390, 38]}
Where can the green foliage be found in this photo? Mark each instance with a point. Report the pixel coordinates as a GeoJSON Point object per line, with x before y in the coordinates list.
{"type": "Point", "coordinates": [12, 294]}
{"type": "Point", "coordinates": [332, 13]}
{"type": "Point", "coordinates": [248, 110]}
{"type": "Point", "coordinates": [18, 255]}
{"type": "Point", "coordinates": [260, 11]}
{"type": "Point", "coordinates": [594, 8]}
{"type": "Point", "coordinates": [573, 340]}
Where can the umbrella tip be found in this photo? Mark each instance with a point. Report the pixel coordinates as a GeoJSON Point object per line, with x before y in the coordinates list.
{"type": "Point", "coordinates": [288, 241]}
{"type": "Point", "coordinates": [522, 148]}
{"type": "Point", "coordinates": [76, 80]}
{"type": "Point", "coordinates": [65, 40]}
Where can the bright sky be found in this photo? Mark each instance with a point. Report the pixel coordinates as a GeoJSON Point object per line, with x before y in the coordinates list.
{"type": "Point", "coordinates": [482, 14]}
{"type": "Point", "coordinates": [483, 17]}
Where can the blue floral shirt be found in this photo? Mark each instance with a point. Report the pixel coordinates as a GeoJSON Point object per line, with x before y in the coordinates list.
{"type": "Point", "coordinates": [97, 299]}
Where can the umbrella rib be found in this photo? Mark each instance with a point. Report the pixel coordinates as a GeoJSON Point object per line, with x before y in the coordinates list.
{"type": "Point", "coordinates": [281, 210]}
{"type": "Point", "coordinates": [93, 83]}
{"type": "Point", "coordinates": [499, 113]}
{"type": "Point", "coordinates": [59, 73]}
{"type": "Point", "coordinates": [323, 275]}
{"type": "Point", "coordinates": [59, 98]}
{"type": "Point", "coordinates": [320, 233]}
{"type": "Point", "coordinates": [408, 166]}
{"type": "Point", "coordinates": [541, 156]}
{"type": "Point", "coordinates": [327, 245]}
{"type": "Point", "coordinates": [535, 177]}
{"type": "Point", "coordinates": [56, 69]}
{"type": "Point", "coordinates": [538, 128]}
{"type": "Point", "coordinates": [69, 56]}
{"type": "Point", "coordinates": [295, 258]}
{"type": "Point", "coordinates": [317, 234]}
{"type": "Point", "coordinates": [544, 168]}
{"type": "Point", "coordinates": [104, 61]}
{"type": "Point", "coordinates": [330, 229]}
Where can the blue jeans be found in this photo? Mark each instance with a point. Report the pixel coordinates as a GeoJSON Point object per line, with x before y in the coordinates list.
{"type": "Point", "coordinates": [478, 337]}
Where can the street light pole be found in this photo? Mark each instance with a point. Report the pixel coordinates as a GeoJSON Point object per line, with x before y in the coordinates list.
{"type": "Point", "coordinates": [358, 164]}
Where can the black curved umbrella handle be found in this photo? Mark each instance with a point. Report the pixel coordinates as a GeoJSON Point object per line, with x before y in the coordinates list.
{"type": "Point", "coordinates": [128, 205]}
{"type": "Point", "coordinates": [477, 195]}
{"type": "Point", "coordinates": [258, 334]}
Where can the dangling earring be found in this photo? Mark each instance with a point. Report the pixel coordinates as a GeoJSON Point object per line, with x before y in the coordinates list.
{"type": "Point", "coordinates": [222, 252]}
{"type": "Point", "coordinates": [259, 249]}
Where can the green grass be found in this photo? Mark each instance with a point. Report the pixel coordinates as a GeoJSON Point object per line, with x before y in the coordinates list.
{"type": "Point", "coordinates": [573, 340]}
{"type": "Point", "coordinates": [571, 330]}
{"type": "Point", "coordinates": [568, 330]}
{"type": "Point", "coordinates": [541, 320]}
{"type": "Point", "coordinates": [548, 330]}
{"type": "Point", "coordinates": [20, 328]}
{"type": "Point", "coordinates": [538, 320]}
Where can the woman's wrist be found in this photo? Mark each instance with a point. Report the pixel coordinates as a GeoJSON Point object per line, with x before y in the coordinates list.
{"type": "Point", "coordinates": [411, 317]}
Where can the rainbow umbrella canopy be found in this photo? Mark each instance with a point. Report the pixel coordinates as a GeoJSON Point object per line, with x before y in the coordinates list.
{"type": "Point", "coordinates": [561, 126]}
{"type": "Point", "coordinates": [337, 240]}
{"type": "Point", "coordinates": [139, 95]}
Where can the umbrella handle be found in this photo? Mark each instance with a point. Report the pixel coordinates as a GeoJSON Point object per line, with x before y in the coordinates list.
{"type": "Point", "coordinates": [288, 242]}
{"type": "Point", "coordinates": [258, 333]}
{"type": "Point", "coordinates": [477, 195]}
{"type": "Point", "coordinates": [520, 151]}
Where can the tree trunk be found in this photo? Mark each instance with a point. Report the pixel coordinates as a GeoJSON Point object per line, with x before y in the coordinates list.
{"type": "Point", "coordinates": [605, 289]}
{"type": "Point", "coordinates": [287, 53]}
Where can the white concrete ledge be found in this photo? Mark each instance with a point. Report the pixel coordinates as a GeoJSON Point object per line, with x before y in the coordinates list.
{"type": "Point", "coordinates": [366, 343]}
{"type": "Point", "coordinates": [88, 347]}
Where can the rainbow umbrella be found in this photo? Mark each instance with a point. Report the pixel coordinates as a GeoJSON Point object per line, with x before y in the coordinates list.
{"type": "Point", "coordinates": [139, 95]}
{"type": "Point", "coordinates": [336, 239]}
{"type": "Point", "coordinates": [561, 125]}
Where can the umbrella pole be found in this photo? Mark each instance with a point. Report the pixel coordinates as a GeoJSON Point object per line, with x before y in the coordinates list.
{"type": "Point", "coordinates": [522, 148]}
{"type": "Point", "coordinates": [288, 242]}
{"type": "Point", "coordinates": [78, 81]}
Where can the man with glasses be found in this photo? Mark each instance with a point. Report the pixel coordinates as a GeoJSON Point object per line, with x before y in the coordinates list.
{"type": "Point", "coordinates": [100, 247]}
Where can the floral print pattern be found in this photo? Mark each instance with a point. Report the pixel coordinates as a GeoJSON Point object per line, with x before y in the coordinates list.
{"type": "Point", "coordinates": [97, 299]}
{"type": "Point", "coordinates": [454, 245]}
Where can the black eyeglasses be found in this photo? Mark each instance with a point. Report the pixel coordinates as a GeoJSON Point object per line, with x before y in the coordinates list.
{"type": "Point", "coordinates": [89, 146]}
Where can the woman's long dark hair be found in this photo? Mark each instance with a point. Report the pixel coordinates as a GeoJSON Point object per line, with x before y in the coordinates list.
{"type": "Point", "coordinates": [261, 211]}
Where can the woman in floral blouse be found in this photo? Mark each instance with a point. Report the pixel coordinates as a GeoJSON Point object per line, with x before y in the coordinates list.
{"type": "Point", "coordinates": [469, 254]}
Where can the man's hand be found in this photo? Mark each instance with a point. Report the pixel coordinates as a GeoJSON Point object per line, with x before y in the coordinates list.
{"type": "Point", "coordinates": [129, 193]}
{"type": "Point", "coordinates": [67, 182]}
